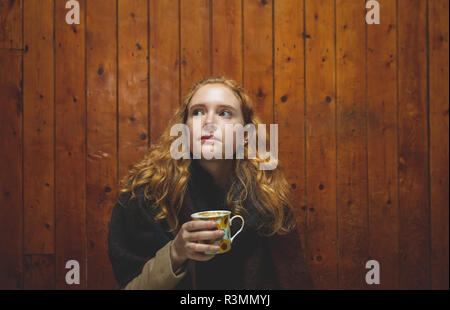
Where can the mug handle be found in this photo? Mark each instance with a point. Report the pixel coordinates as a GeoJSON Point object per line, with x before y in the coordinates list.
{"type": "Point", "coordinates": [231, 222]}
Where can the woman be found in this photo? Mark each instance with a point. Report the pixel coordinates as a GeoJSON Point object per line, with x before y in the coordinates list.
{"type": "Point", "coordinates": [154, 244]}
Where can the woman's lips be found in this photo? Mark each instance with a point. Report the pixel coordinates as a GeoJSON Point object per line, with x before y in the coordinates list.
{"type": "Point", "coordinates": [209, 137]}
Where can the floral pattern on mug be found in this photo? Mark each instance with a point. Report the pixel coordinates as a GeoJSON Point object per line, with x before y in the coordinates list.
{"type": "Point", "coordinates": [223, 223]}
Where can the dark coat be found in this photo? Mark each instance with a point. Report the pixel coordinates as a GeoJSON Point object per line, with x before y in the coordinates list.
{"type": "Point", "coordinates": [254, 262]}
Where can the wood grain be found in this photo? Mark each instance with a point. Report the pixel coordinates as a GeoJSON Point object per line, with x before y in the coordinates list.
{"type": "Point", "coordinates": [133, 83]}
{"type": "Point", "coordinates": [321, 143]}
{"type": "Point", "coordinates": [101, 74]}
{"type": "Point", "coordinates": [382, 133]}
{"type": "Point", "coordinates": [226, 45]}
{"type": "Point", "coordinates": [39, 208]}
{"type": "Point", "coordinates": [414, 216]}
{"type": "Point", "coordinates": [39, 272]}
{"type": "Point", "coordinates": [195, 42]}
{"type": "Point", "coordinates": [164, 63]}
{"type": "Point", "coordinates": [258, 57]}
{"type": "Point", "coordinates": [438, 122]}
{"type": "Point", "coordinates": [351, 142]}
{"type": "Point", "coordinates": [11, 24]}
{"type": "Point", "coordinates": [70, 144]}
{"type": "Point", "coordinates": [289, 96]}
{"type": "Point", "coordinates": [11, 146]}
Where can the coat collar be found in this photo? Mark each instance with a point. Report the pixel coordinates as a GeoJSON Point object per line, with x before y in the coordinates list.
{"type": "Point", "coordinates": [202, 193]}
{"type": "Point", "coordinates": [203, 189]}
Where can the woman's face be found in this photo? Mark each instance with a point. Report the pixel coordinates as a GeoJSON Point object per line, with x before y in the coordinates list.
{"type": "Point", "coordinates": [215, 105]}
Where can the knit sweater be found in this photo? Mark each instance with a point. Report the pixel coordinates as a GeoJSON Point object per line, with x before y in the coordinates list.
{"type": "Point", "coordinates": [139, 247]}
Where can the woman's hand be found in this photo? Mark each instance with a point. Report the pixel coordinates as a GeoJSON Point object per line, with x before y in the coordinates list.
{"type": "Point", "coordinates": [185, 245]}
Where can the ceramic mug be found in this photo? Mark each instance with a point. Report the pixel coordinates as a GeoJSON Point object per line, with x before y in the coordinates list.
{"type": "Point", "coordinates": [222, 218]}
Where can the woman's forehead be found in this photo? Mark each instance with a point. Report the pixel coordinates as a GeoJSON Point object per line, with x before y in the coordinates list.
{"type": "Point", "coordinates": [215, 94]}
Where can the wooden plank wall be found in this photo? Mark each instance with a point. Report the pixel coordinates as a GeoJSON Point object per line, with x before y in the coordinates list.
{"type": "Point", "coordinates": [362, 113]}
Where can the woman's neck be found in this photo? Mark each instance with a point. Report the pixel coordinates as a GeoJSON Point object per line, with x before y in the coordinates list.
{"type": "Point", "coordinates": [220, 170]}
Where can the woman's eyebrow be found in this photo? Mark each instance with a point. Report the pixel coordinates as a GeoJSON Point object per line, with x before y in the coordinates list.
{"type": "Point", "coordinates": [220, 106]}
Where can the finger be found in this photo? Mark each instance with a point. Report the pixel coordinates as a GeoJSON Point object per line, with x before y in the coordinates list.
{"type": "Point", "coordinates": [195, 248]}
{"type": "Point", "coordinates": [200, 225]}
{"type": "Point", "coordinates": [204, 235]}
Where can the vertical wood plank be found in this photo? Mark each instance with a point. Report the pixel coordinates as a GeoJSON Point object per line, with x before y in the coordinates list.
{"type": "Point", "coordinates": [351, 143]}
{"type": "Point", "coordinates": [258, 56]}
{"type": "Point", "coordinates": [39, 272]}
{"type": "Point", "coordinates": [11, 211]}
{"type": "Point", "coordinates": [70, 144]}
{"type": "Point", "coordinates": [227, 39]}
{"type": "Point", "coordinates": [439, 106]}
{"type": "Point", "coordinates": [321, 143]}
{"type": "Point", "coordinates": [133, 78]}
{"type": "Point", "coordinates": [39, 215]}
{"type": "Point", "coordinates": [414, 230]}
{"type": "Point", "coordinates": [11, 24]}
{"type": "Point", "coordinates": [101, 74]}
{"type": "Point", "coordinates": [164, 63]}
{"type": "Point", "coordinates": [289, 96]}
{"type": "Point", "coordinates": [195, 42]}
{"type": "Point", "coordinates": [382, 144]}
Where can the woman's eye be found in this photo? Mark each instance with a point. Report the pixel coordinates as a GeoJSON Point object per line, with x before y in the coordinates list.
{"type": "Point", "coordinates": [196, 112]}
{"type": "Point", "coordinates": [226, 113]}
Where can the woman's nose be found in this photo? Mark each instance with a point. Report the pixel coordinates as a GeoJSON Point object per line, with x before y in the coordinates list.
{"type": "Point", "coordinates": [209, 128]}
{"type": "Point", "coordinates": [210, 118]}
